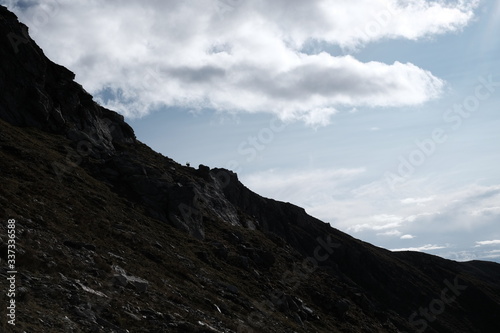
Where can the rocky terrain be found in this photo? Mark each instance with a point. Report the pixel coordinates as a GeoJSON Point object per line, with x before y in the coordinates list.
{"type": "Point", "coordinates": [114, 237]}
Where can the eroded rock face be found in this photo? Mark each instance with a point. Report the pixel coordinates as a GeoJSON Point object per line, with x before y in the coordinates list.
{"type": "Point", "coordinates": [39, 93]}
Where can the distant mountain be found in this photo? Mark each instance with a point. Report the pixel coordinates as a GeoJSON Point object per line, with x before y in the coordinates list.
{"type": "Point", "coordinates": [114, 237]}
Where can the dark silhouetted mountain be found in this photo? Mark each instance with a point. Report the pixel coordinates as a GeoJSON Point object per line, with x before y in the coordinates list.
{"type": "Point", "coordinates": [114, 237]}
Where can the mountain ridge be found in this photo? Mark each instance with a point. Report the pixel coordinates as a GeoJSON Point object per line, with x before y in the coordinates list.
{"type": "Point", "coordinates": [76, 179]}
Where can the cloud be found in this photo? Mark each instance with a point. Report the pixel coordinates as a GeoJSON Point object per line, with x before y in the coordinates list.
{"type": "Point", "coordinates": [388, 222]}
{"type": "Point", "coordinates": [390, 233]}
{"type": "Point", "coordinates": [407, 237]}
{"type": "Point", "coordinates": [303, 187]}
{"type": "Point", "coordinates": [239, 56]}
{"type": "Point", "coordinates": [487, 211]}
{"type": "Point", "coordinates": [427, 247]}
{"type": "Point", "coordinates": [492, 256]}
{"type": "Point", "coordinates": [489, 242]}
{"type": "Point", "coordinates": [417, 201]}
{"type": "Point", "coordinates": [355, 202]}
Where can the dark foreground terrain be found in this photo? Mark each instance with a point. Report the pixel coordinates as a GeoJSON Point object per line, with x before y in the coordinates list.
{"type": "Point", "coordinates": [114, 237]}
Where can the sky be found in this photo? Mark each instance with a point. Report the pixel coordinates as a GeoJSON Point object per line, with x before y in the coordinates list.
{"type": "Point", "coordinates": [379, 117]}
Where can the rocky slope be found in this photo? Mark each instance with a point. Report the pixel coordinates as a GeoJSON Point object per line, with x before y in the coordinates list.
{"type": "Point", "coordinates": [114, 237]}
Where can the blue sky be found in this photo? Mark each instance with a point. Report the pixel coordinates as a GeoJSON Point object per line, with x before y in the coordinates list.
{"type": "Point", "coordinates": [380, 117]}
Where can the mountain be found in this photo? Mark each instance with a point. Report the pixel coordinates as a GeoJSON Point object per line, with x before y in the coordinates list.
{"type": "Point", "coordinates": [111, 236]}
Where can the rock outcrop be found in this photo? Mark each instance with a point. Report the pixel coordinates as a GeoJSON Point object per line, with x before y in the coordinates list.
{"type": "Point", "coordinates": [37, 92]}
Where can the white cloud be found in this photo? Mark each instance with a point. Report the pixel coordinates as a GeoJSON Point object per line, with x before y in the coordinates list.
{"type": "Point", "coordinates": [353, 23]}
{"type": "Point", "coordinates": [407, 237]}
{"type": "Point", "coordinates": [241, 56]}
{"type": "Point", "coordinates": [489, 242]}
{"type": "Point", "coordinates": [427, 247]}
{"type": "Point", "coordinates": [417, 201]}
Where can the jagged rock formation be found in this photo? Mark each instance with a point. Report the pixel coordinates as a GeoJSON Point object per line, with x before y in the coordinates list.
{"type": "Point", "coordinates": [114, 237]}
{"type": "Point", "coordinates": [37, 92]}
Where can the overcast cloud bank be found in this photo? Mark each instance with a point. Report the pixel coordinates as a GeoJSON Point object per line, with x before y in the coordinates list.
{"type": "Point", "coordinates": [241, 56]}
